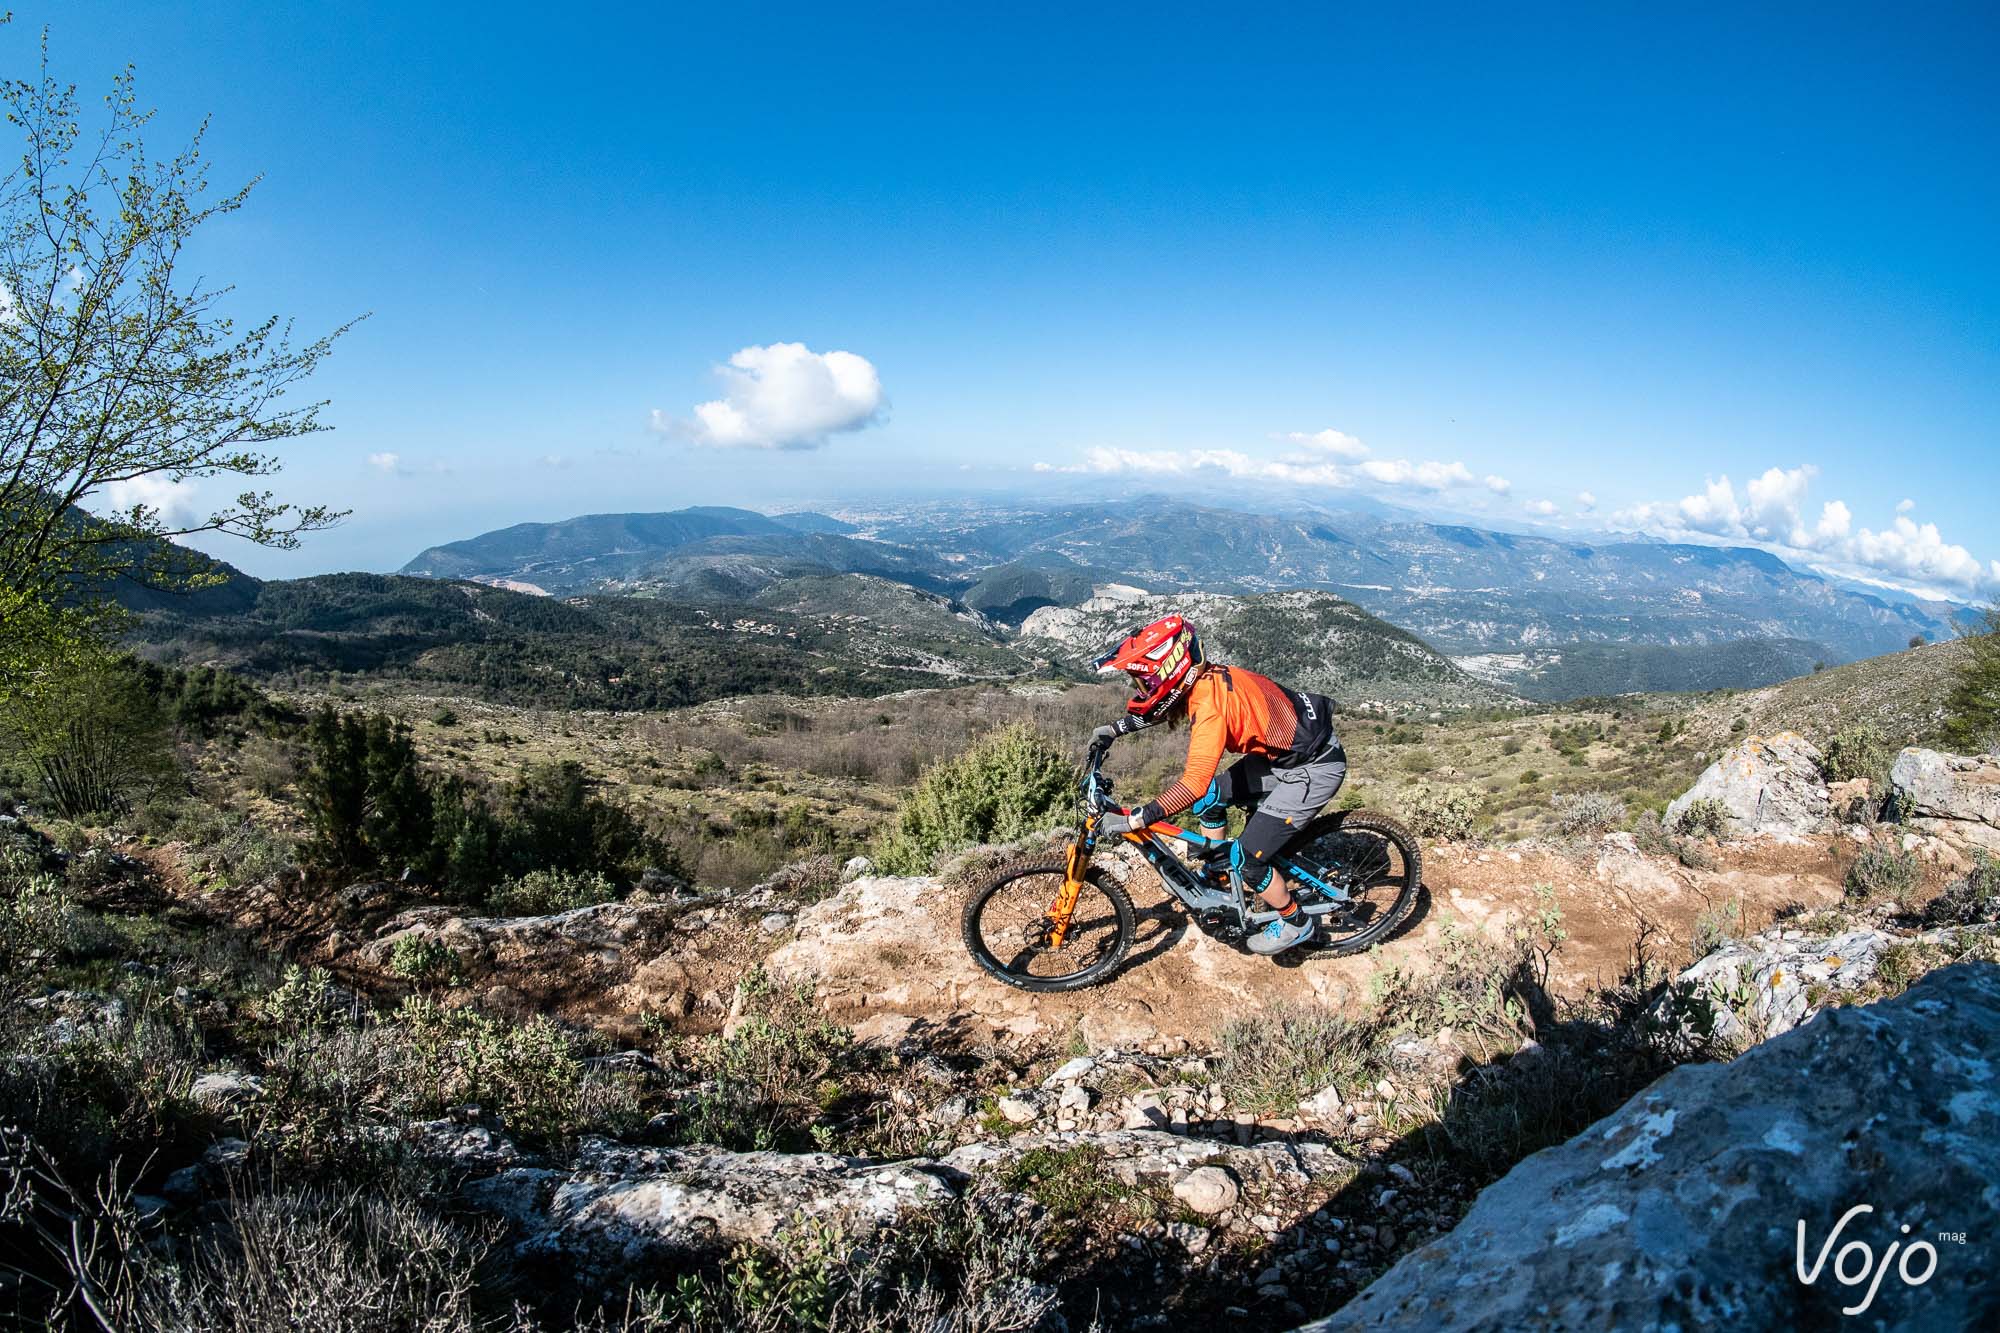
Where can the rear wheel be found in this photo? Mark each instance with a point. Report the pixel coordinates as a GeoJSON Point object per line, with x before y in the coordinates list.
{"type": "Point", "coordinates": [1372, 865]}
{"type": "Point", "coordinates": [1008, 931]}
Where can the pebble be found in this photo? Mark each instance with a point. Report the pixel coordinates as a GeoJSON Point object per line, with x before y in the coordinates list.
{"type": "Point", "coordinates": [1208, 1190]}
{"type": "Point", "coordinates": [1073, 1070]}
{"type": "Point", "coordinates": [1018, 1110]}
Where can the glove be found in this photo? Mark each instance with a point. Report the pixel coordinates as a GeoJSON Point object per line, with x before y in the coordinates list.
{"type": "Point", "coordinates": [1100, 740]}
{"type": "Point", "coordinates": [1114, 822]}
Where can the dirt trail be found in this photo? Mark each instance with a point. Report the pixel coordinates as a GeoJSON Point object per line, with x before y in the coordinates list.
{"type": "Point", "coordinates": [889, 958]}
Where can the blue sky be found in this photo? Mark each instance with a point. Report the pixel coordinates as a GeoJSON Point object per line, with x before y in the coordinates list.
{"type": "Point", "coordinates": [1604, 251]}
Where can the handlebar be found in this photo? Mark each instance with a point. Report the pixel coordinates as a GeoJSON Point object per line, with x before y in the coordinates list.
{"type": "Point", "coordinates": [1096, 787]}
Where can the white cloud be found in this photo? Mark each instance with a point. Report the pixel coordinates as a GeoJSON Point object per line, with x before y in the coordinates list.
{"type": "Point", "coordinates": [171, 501]}
{"type": "Point", "coordinates": [1335, 443]}
{"type": "Point", "coordinates": [1905, 506]}
{"type": "Point", "coordinates": [1295, 470]}
{"type": "Point", "coordinates": [554, 461]}
{"type": "Point", "coordinates": [1424, 476]}
{"type": "Point", "coordinates": [1770, 513]}
{"type": "Point", "coordinates": [394, 465]}
{"type": "Point", "coordinates": [784, 396]}
{"type": "Point", "coordinates": [1498, 485]}
{"type": "Point", "coordinates": [1586, 501]}
{"type": "Point", "coordinates": [1546, 508]}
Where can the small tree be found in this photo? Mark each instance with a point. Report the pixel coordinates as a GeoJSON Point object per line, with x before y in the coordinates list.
{"type": "Point", "coordinates": [123, 380]}
{"type": "Point", "coordinates": [1972, 712]}
{"type": "Point", "coordinates": [90, 737]}
{"type": "Point", "coordinates": [365, 796]}
{"type": "Point", "coordinates": [1009, 783]}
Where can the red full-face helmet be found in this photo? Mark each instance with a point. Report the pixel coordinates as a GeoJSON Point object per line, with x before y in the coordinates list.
{"type": "Point", "coordinates": [1161, 659]}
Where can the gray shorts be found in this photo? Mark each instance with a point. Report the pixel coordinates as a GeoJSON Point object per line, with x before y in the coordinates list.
{"type": "Point", "coordinates": [1282, 800]}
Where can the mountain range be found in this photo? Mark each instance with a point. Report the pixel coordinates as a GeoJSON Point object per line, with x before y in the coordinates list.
{"type": "Point", "coordinates": [1464, 590]}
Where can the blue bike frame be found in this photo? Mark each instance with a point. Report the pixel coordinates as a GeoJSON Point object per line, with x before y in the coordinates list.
{"type": "Point", "coordinates": [1188, 887]}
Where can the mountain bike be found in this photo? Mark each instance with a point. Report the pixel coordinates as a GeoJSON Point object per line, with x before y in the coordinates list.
{"type": "Point", "coordinates": [1061, 925]}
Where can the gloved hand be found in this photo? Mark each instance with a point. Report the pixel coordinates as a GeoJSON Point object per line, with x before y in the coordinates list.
{"type": "Point", "coordinates": [1114, 822]}
{"type": "Point", "coordinates": [1100, 740]}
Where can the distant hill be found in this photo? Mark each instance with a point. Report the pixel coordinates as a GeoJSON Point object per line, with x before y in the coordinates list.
{"type": "Point", "coordinates": [1462, 589]}
{"type": "Point", "coordinates": [1014, 591]}
{"type": "Point", "coordinates": [1588, 670]}
{"type": "Point", "coordinates": [595, 652]}
{"type": "Point", "coordinates": [1488, 596]}
{"type": "Point", "coordinates": [1308, 640]}
{"type": "Point", "coordinates": [700, 553]}
{"type": "Point", "coordinates": [1902, 695]}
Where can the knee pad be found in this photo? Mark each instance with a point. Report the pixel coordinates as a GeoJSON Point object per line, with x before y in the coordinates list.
{"type": "Point", "coordinates": [1256, 873]}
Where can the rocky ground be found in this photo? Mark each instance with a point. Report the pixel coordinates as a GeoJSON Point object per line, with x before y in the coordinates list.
{"type": "Point", "coordinates": [1155, 1151]}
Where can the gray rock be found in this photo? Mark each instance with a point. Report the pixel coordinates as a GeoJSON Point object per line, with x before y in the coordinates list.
{"type": "Point", "coordinates": [1770, 785]}
{"type": "Point", "coordinates": [775, 922]}
{"type": "Point", "coordinates": [1752, 989]}
{"type": "Point", "coordinates": [226, 1155]}
{"type": "Point", "coordinates": [1018, 1110]}
{"type": "Point", "coordinates": [856, 868]}
{"type": "Point", "coordinates": [1682, 1209]}
{"type": "Point", "coordinates": [623, 1209]}
{"type": "Point", "coordinates": [225, 1091]}
{"type": "Point", "coordinates": [1152, 1159]}
{"type": "Point", "coordinates": [1951, 796]}
{"type": "Point", "coordinates": [463, 1147]}
{"type": "Point", "coordinates": [1071, 1071]}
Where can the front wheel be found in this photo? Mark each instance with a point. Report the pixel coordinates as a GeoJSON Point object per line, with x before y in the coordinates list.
{"type": "Point", "coordinates": [1009, 931]}
{"type": "Point", "coordinates": [1368, 865]}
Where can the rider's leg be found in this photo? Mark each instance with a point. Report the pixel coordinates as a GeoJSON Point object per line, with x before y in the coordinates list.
{"type": "Point", "coordinates": [1242, 783]}
{"type": "Point", "coordinates": [1263, 838]}
{"type": "Point", "coordinates": [1295, 797]}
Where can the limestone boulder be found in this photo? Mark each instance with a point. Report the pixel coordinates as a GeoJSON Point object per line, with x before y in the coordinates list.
{"type": "Point", "coordinates": [1756, 988]}
{"type": "Point", "coordinates": [1767, 786]}
{"type": "Point", "coordinates": [1689, 1206]}
{"type": "Point", "coordinates": [1951, 796]}
{"type": "Point", "coordinates": [619, 1210]}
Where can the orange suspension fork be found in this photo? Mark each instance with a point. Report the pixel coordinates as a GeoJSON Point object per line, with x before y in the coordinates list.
{"type": "Point", "coordinates": [1064, 906]}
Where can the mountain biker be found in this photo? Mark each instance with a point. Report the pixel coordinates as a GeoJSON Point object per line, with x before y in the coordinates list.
{"type": "Point", "coordinates": [1292, 763]}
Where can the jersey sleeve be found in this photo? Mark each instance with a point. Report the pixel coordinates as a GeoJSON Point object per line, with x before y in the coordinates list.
{"type": "Point", "coordinates": [1205, 743]}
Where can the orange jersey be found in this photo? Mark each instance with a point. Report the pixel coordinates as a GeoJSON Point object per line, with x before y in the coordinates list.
{"type": "Point", "coordinates": [1233, 711]}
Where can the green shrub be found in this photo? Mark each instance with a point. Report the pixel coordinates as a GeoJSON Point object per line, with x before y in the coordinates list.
{"type": "Point", "coordinates": [420, 958]}
{"type": "Point", "coordinates": [1009, 783]}
{"type": "Point", "coordinates": [1972, 711]}
{"type": "Point", "coordinates": [89, 736]}
{"type": "Point", "coordinates": [545, 892]}
{"type": "Point", "coordinates": [1440, 809]}
{"type": "Point", "coordinates": [1274, 1060]}
{"type": "Point", "coordinates": [771, 1079]}
{"type": "Point", "coordinates": [1703, 817]}
{"type": "Point", "coordinates": [1655, 838]}
{"type": "Point", "coordinates": [1882, 872]}
{"type": "Point", "coordinates": [373, 808]}
{"type": "Point", "coordinates": [1970, 901]}
{"type": "Point", "coordinates": [366, 802]}
{"type": "Point", "coordinates": [1855, 751]}
{"type": "Point", "coordinates": [531, 1075]}
{"type": "Point", "coordinates": [1586, 814]}
{"type": "Point", "coordinates": [1070, 1183]}
{"type": "Point", "coordinates": [962, 1266]}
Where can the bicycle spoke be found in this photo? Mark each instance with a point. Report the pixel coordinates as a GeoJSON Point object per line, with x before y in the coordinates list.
{"type": "Point", "coordinates": [1015, 925]}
